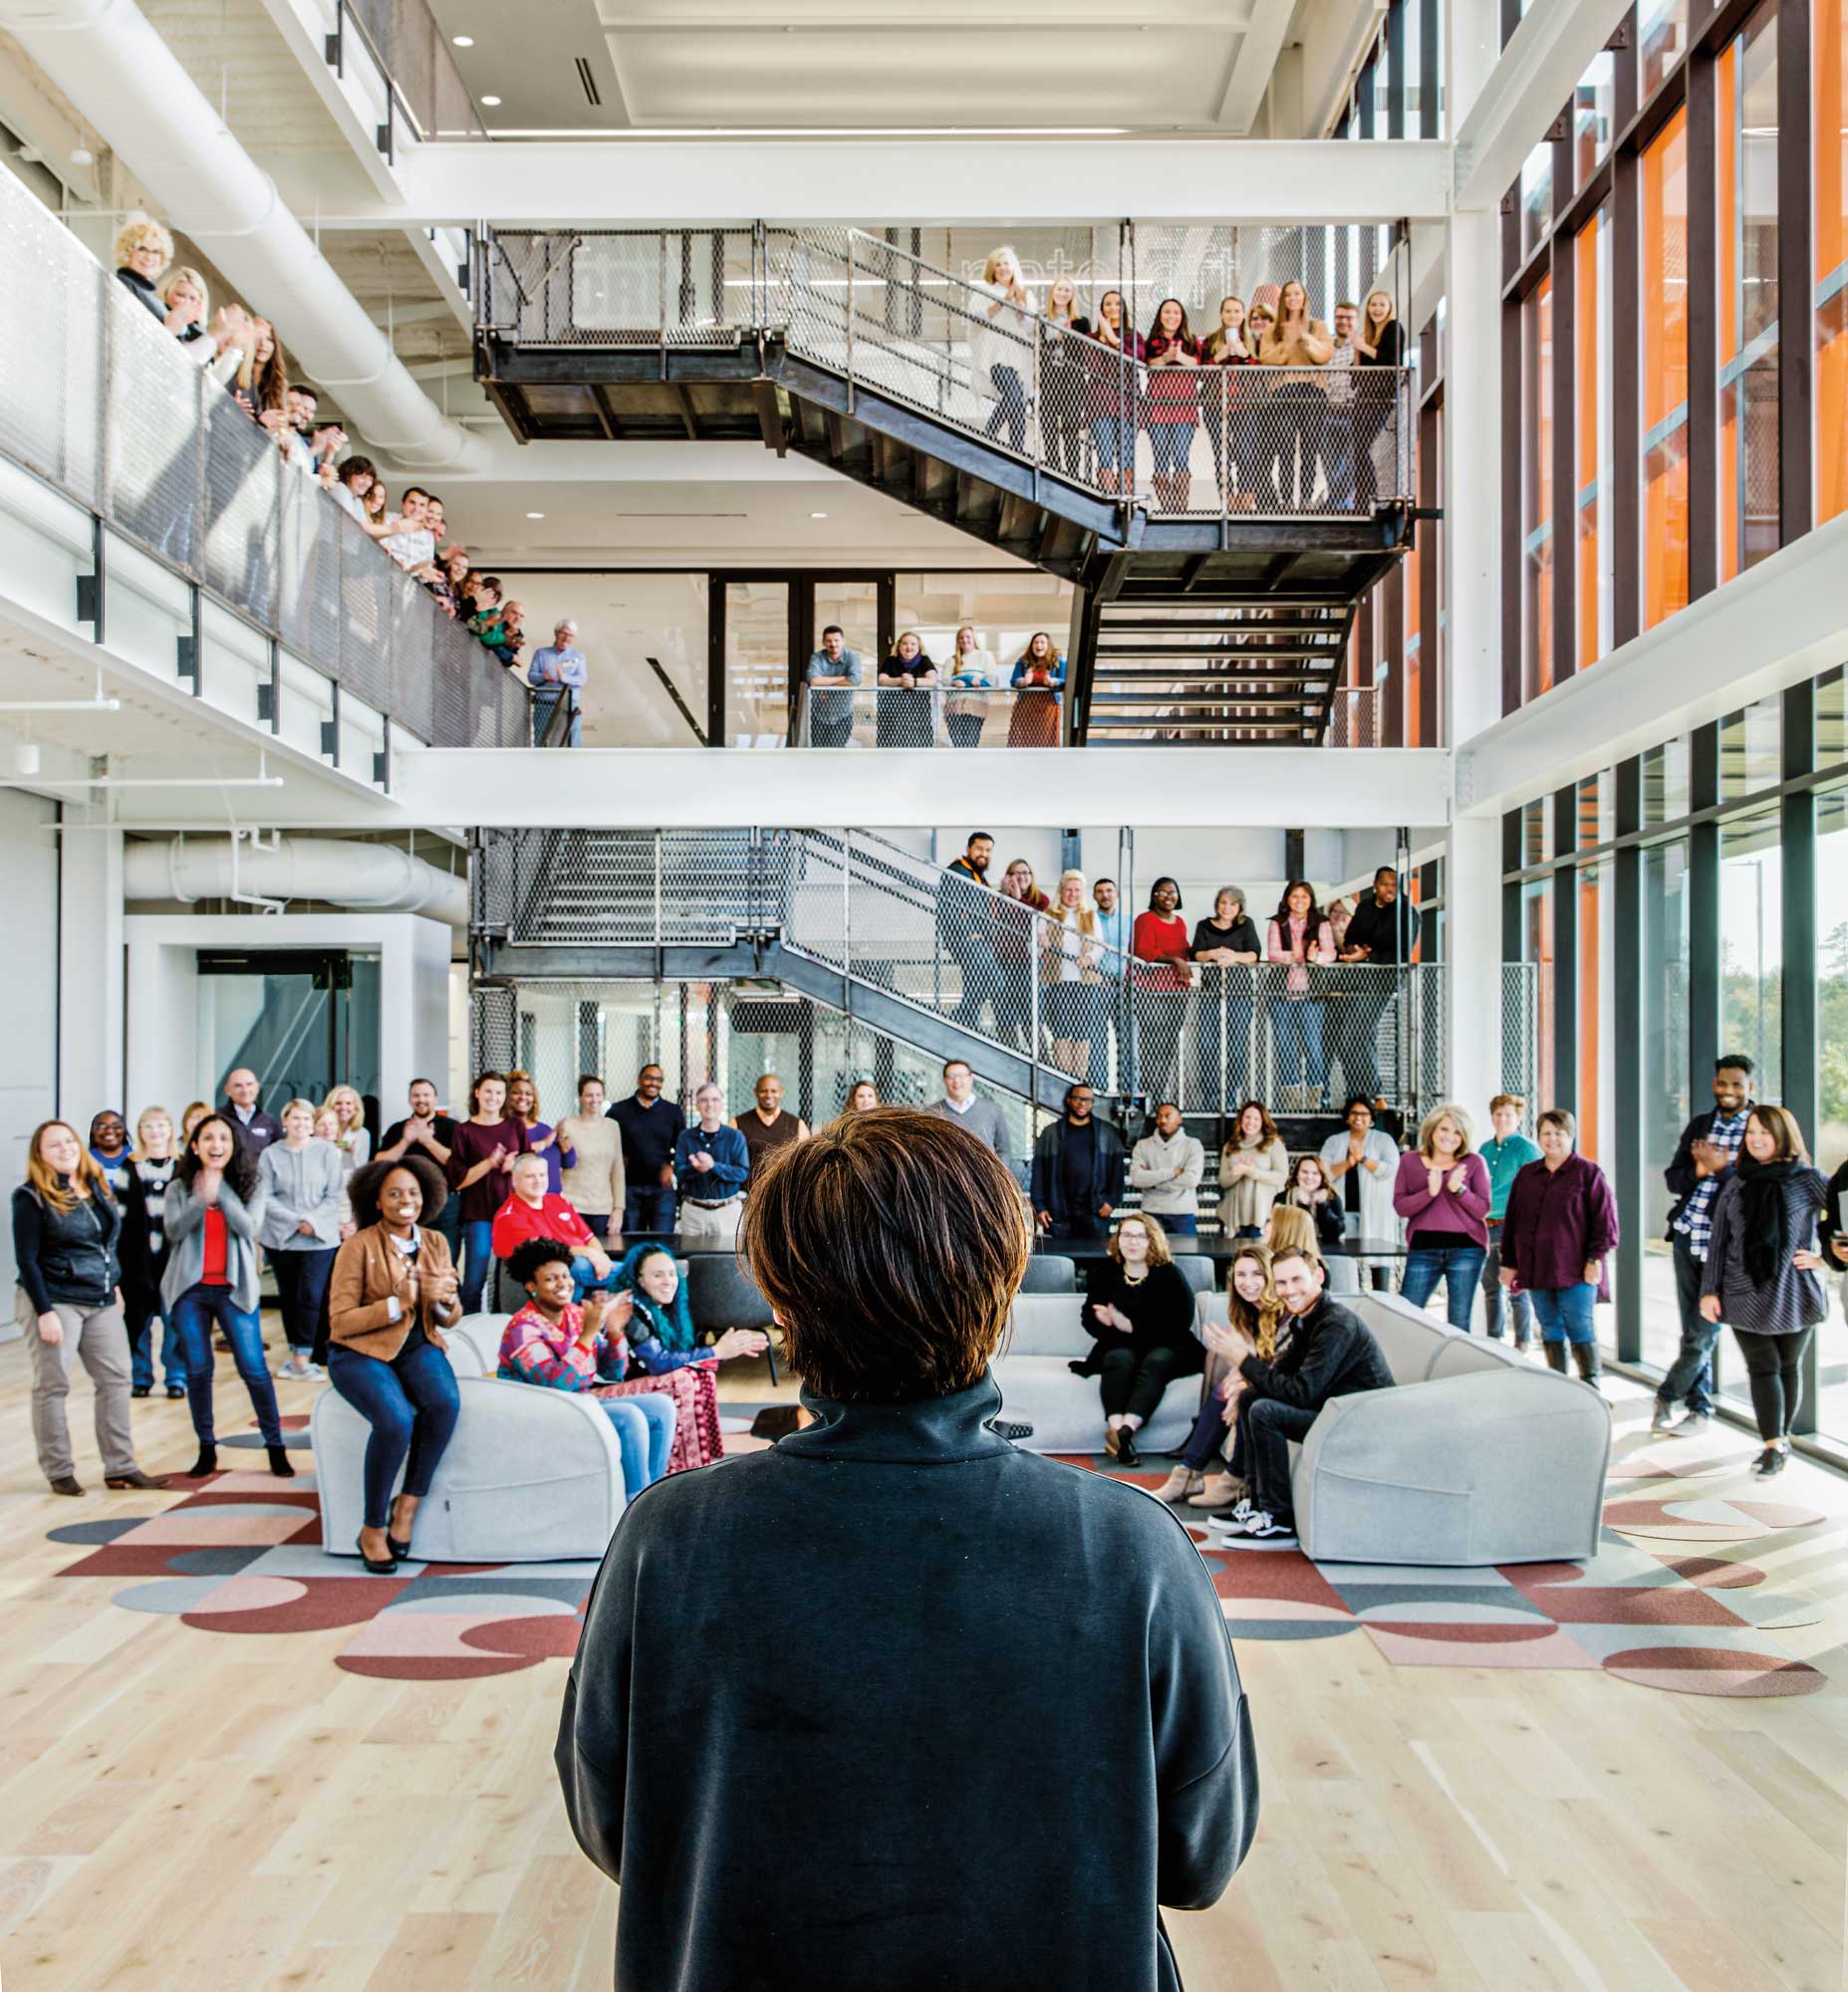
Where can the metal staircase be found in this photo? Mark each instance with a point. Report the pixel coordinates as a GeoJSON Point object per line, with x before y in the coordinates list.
{"type": "Point", "coordinates": [840, 347]}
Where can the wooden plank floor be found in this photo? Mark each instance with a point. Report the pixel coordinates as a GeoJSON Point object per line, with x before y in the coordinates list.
{"type": "Point", "coordinates": [182, 1809]}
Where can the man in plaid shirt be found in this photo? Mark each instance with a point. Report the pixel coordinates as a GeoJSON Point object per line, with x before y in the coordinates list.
{"type": "Point", "coordinates": [1702, 1162]}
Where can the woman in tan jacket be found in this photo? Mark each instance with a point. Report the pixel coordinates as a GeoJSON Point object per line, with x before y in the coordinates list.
{"type": "Point", "coordinates": [392, 1293]}
{"type": "Point", "coordinates": [1253, 1167]}
{"type": "Point", "coordinates": [1300, 404]}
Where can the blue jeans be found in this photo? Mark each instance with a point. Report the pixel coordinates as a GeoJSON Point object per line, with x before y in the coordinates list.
{"type": "Point", "coordinates": [1565, 1313]}
{"type": "Point", "coordinates": [1011, 407]}
{"type": "Point", "coordinates": [1297, 1025]}
{"type": "Point", "coordinates": [645, 1437]}
{"type": "Point", "coordinates": [140, 1314]}
{"type": "Point", "coordinates": [649, 1210]}
{"type": "Point", "coordinates": [301, 1286]}
{"type": "Point", "coordinates": [477, 1262]}
{"type": "Point", "coordinates": [1690, 1375]}
{"type": "Point", "coordinates": [1113, 439]}
{"type": "Point", "coordinates": [1459, 1267]}
{"type": "Point", "coordinates": [1338, 462]}
{"type": "Point", "coordinates": [1497, 1302]}
{"type": "Point", "coordinates": [412, 1404]}
{"type": "Point", "coordinates": [194, 1315]}
{"type": "Point", "coordinates": [545, 705]}
{"type": "Point", "coordinates": [1109, 1009]}
{"type": "Point", "coordinates": [1177, 1224]}
{"type": "Point", "coordinates": [583, 1275]}
{"type": "Point", "coordinates": [1172, 444]}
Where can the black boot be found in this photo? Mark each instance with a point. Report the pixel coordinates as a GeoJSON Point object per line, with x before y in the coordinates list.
{"type": "Point", "coordinates": [279, 1462]}
{"type": "Point", "coordinates": [207, 1462]}
{"type": "Point", "coordinates": [1590, 1369]}
{"type": "Point", "coordinates": [1556, 1356]}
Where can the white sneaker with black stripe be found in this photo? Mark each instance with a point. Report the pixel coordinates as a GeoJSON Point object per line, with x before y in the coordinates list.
{"type": "Point", "coordinates": [1261, 1532]}
{"type": "Point", "coordinates": [1231, 1524]}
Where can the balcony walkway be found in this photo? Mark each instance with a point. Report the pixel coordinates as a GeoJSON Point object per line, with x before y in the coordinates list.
{"type": "Point", "coordinates": [854, 354]}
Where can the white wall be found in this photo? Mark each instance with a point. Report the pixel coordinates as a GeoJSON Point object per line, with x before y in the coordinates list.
{"type": "Point", "coordinates": [168, 1057]}
{"type": "Point", "coordinates": [28, 997]}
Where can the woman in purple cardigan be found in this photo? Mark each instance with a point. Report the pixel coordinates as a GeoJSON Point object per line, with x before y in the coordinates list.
{"type": "Point", "coordinates": [1443, 1193]}
{"type": "Point", "coordinates": [1561, 1226]}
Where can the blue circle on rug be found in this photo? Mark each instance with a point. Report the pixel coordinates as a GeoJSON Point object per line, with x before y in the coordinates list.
{"type": "Point", "coordinates": [95, 1532]}
{"type": "Point", "coordinates": [1291, 1629]}
{"type": "Point", "coordinates": [296, 1441]}
{"type": "Point", "coordinates": [226, 1562]}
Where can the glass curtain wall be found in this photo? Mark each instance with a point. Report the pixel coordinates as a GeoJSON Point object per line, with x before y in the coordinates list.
{"type": "Point", "coordinates": [1537, 490]}
{"type": "Point", "coordinates": [1592, 440]}
{"type": "Point", "coordinates": [1829, 28]}
{"type": "Point", "coordinates": [1664, 373]}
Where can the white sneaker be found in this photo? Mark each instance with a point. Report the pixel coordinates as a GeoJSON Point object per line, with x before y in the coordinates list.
{"type": "Point", "coordinates": [1662, 1419]}
{"type": "Point", "coordinates": [1234, 1523]}
{"type": "Point", "coordinates": [1694, 1424]}
{"type": "Point", "coordinates": [1261, 1529]}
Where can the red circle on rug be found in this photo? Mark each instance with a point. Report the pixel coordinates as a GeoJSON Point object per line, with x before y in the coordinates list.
{"type": "Point", "coordinates": [552, 1637]}
{"type": "Point", "coordinates": [1715, 1573]}
{"type": "Point", "coordinates": [1504, 1634]}
{"type": "Point", "coordinates": [1714, 1670]}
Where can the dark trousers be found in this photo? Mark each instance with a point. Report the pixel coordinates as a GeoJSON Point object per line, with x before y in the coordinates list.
{"type": "Point", "coordinates": [1134, 1381]}
{"type": "Point", "coordinates": [1269, 1428]}
{"type": "Point", "coordinates": [194, 1315]}
{"type": "Point", "coordinates": [1077, 1227]}
{"type": "Point", "coordinates": [140, 1310]}
{"type": "Point", "coordinates": [649, 1210]}
{"type": "Point", "coordinates": [1690, 1375]}
{"type": "Point", "coordinates": [1222, 1084]}
{"type": "Point", "coordinates": [1207, 1442]}
{"type": "Point", "coordinates": [412, 1404]}
{"type": "Point", "coordinates": [301, 1286]}
{"type": "Point", "coordinates": [1774, 1364]}
{"type": "Point", "coordinates": [1357, 1026]}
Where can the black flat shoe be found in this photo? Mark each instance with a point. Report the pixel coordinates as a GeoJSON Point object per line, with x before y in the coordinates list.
{"type": "Point", "coordinates": [65, 1484]}
{"type": "Point", "coordinates": [1127, 1456]}
{"type": "Point", "coordinates": [142, 1390]}
{"type": "Point", "coordinates": [399, 1550]}
{"type": "Point", "coordinates": [177, 1389]}
{"type": "Point", "coordinates": [375, 1567]}
{"type": "Point", "coordinates": [279, 1462]}
{"type": "Point", "coordinates": [1770, 1460]}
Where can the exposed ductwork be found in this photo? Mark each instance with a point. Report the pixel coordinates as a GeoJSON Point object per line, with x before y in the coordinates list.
{"type": "Point", "coordinates": [367, 878]}
{"type": "Point", "coordinates": [124, 78]}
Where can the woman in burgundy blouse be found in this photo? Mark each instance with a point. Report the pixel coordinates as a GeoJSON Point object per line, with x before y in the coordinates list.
{"type": "Point", "coordinates": [480, 1166]}
{"type": "Point", "coordinates": [1300, 941]}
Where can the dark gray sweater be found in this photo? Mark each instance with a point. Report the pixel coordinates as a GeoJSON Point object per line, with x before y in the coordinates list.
{"type": "Point", "coordinates": [962, 1716]}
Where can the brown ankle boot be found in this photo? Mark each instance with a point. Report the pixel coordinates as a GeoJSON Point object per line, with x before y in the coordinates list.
{"type": "Point", "coordinates": [1180, 1485]}
{"type": "Point", "coordinates": [1221, 1490]}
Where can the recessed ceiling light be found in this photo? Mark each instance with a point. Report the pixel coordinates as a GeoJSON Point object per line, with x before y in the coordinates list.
{"type": "Point", "coordinates": [535, 515]}
{"type": "Point", "coordinates": [491, 101]}
{"type": "Point", "coordinates": [818, 515]}
{"type": "Point", "coordinates": [463, 40]}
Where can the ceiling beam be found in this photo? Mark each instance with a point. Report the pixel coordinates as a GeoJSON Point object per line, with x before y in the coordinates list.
{"type": "Point", "coordinates": [625, 181]}
{"type": "Point", "coordinates": [1266, 26]}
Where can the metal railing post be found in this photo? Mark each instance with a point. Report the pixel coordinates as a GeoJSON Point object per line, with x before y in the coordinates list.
{"type": "Point", "coordinates": [657, 933]}
{"type": "Point", "coordinates": [661, 301]}
{"type": "Point", "coordinates": [850, 321]}
{"type": "Point", "coordinates": [1036, 410]}
{"type": "Point", "coordinates": [847, 903]}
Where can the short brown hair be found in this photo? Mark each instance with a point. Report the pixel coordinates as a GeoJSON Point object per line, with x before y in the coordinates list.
{"type": "Point", "coordinates": [1503, 1099]}
{"type": "Point", "coordinates": [1782, 1125]}
{"type": "Point", "coordinates": [1159, 1253]}
{"type": "Point", "coordinates": [889, 1246]}
{"type": "Point", "coordinates": [1559, 1117]}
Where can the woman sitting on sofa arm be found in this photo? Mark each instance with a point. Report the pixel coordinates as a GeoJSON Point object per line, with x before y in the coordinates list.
{"type": "Point", "coordinates": [392, 1293]}
{"type": "Point", "coordinates": [559, 1346]}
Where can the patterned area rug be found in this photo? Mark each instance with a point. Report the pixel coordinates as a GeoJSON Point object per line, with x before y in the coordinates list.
{"type": "Point", "coordinates": [240, 1553]}
{"type": "Point", "coordinates": [1664, 1603]}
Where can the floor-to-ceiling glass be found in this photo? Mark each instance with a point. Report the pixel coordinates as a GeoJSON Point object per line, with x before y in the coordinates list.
{"type": "Point", "coordinates": [1665, 957]}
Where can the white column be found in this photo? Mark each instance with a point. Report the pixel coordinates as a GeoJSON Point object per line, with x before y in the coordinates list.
{"type": "Point", "coordinates": [90, 970]}
{"type": "Point", "coordinates": [1474, 29]}
{"type": "Point", "coordinates": [1472, 692]}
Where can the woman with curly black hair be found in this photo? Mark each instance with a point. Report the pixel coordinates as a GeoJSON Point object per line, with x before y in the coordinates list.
{"type": "Point", "coordinates": [214, 1210]}
{"type": "Point", "coordinates": [392, 1293]}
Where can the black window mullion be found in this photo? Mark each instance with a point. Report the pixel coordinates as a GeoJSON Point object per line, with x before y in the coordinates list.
{"type": "Point", "coordinates": [1564, 805]}
{"type": "Point", "coordinates": [1634, 1215]}
{"type": "Point", "coordinates": [1396, 68]}
{"type": "Point", "coordinates": [1565, 459]}
{"type": "Point", "coordinates": [1704, 938]}
{"type": "Point", "coordinates": [1428, 109]}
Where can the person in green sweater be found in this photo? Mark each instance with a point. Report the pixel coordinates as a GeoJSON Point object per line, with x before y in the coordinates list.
{"type": "Point", "coordinates": [1507, 1156]}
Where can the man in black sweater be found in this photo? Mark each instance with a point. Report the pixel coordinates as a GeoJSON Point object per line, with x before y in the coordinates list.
{"type": "Point", "coordinates": [1379, 941]}
{"type": "Point", "coordinates": [1328, 1353]}
{"type": "Point", "coordinates": [1077, 1170]}
{"type": "Point", "coordinates": [882, 1610]}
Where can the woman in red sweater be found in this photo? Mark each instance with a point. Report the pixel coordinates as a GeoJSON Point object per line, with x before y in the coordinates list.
{"type": "Point", "coordinates": [1164, 978]}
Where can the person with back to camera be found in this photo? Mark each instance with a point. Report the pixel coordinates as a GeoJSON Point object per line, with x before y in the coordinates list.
{"type": "Point", "coordinates": [890, 1249]}
{"type": "Point", "coordinates": [68, 1305]}
{"type": "Point", "coordinates": [393, 1292]}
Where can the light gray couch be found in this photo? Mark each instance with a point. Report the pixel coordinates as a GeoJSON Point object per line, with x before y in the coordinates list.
{"type": "Point", "coordinates": [1478, 1457]}
{"type": "Point", "coordinates": [531, 1477]}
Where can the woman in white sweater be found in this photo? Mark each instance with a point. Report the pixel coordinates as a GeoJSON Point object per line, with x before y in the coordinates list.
{"type": "Point", "coordinates": [594, 1183]}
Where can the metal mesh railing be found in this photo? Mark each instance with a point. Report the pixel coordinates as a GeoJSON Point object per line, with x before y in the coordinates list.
{"type": "Point", "coordinates": [1208, 1037]}
{"type": "Point", "coordinates": [101, 401]}
{"type": "Point", "coordinates": [1264, 442]}
{"type": "Point", "coordinates": [929, 715]}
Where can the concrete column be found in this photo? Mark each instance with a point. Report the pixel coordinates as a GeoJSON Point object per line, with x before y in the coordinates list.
{"type": "Point", "coordinates": [1473, 32]}
{"type": "Point", "coordinates": [89, 969]}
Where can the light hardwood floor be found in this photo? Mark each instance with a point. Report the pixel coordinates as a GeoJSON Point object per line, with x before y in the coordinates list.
{"type": "Point", "coordinates": [181, 1809]}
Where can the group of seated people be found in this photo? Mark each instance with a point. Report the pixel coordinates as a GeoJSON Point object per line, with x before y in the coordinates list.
{"type": "Point", "coordinates": [912, 687]}
{"type": "Point", "coordinates": [1095, 384]}
{"type": "Point", "coordinates": [244, 356]}
{"type": "Point", "coordinates": [1079, 945]}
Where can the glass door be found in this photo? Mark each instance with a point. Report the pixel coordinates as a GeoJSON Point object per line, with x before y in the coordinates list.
{"type": "Point", "coordinates": [304, 1021]}
{"type": "Point", "coordinates": [758, 664]}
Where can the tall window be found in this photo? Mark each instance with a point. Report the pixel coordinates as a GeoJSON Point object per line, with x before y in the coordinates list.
{"type": "Point", "coordinates": [1751, 944]}
{"type": "Point", "coordinates": [1748, 185]}
{"type": "Point", "coordinates": [1665, 372]}
{"type": "Point", "coordinates": [1831, 259]}
{"type": "Point", "coordinates": [1537, 949]}
{"type": "Point", "coordinates": [1663, 26]}
{"type": "Point", "coordinates": [1594, 106]}
{"type": "Point", "coordinates": [1665, 956]}
{"type": "Point", "coordinates": [1592, 450]}
{"type": "Point", "coordinates": [1536, 197]}
{"type": "Point", "coordinates": [1537, 488]}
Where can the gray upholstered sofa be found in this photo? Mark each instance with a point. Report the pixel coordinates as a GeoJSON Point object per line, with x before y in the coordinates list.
{"type": "Point", "coordinates": [1478, 1457]}
{"type": "Point", "coordinates": [531, 1477]}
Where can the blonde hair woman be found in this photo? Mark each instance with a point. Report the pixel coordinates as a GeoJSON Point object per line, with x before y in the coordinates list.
{"type": "Point", "coordinates": [1380, 343]}
{"type": "Point", "coordinates": [1140, 1313]}
{"type": "Point", "coordinates": [142, 250]}
{"type": "Point", "coordinates": [1070, 952]}
{"type": "Point", "coordinates": [1001, 334]}
{"type": "Point", "coordinates": [188, 304]}
{"type": "Point", "coordinates": [144, 1254]}
{"type": "Point", "coordinates": [1298, 340]}
{"type": "Point", "coordinates": [1064, 379]}
{"type": "Point", "coordinates": [353, 1139]}
{"type": "Point", "coordinates": [263, 378]}
{"type": "Point", "coordinates": [66, 1229]}
{"type": "Point", "coordinates": [1254, 1310]}
{"type": "Point", "coordinates": [1444, 1194]}
{"type": "Point", "coordinates": [971, 677]}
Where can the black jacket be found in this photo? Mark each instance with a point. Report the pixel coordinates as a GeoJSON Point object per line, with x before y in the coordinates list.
{"type": "Point", "coordinates": [924, 1659]}
{"type": "Point", "coordinates": [1330, 1354]}
{"type": "Point", "coordinates": [1161, 1307]}
{"type": "Point", "coordinates": [66, 1256]}
{"type": "Point", "coordinates": [1379, 929]}
{"type": "Point", "coordinates": [1327, 1217]}
{"type": "Point", "coordinates": [1048, 1190]}
{"type": "Point", "coordinates": [1680, 1174]}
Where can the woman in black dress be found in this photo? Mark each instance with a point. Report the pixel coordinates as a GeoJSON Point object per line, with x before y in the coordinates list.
{"type": "Point", "coordinates": [1140, 1311]}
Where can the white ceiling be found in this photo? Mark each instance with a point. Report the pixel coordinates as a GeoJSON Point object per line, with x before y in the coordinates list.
{"type": "Point", "coordinates": [871, 65]}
